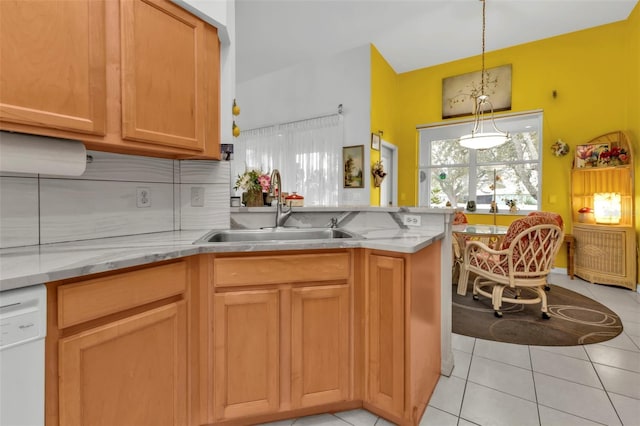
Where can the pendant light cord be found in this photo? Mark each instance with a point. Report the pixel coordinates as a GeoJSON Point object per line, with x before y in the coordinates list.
{"type": "Point", "coordinates": [484, 5]}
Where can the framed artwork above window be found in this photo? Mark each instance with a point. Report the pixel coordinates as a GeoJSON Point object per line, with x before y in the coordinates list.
{"type": "Point", "coordinates": [459, 92]}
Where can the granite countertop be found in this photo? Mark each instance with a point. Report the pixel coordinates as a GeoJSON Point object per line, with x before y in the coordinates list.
{"type": "Point", "coordinates": [25, 266]}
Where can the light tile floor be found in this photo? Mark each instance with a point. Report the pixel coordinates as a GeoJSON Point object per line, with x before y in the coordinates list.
{"type": "Point", "coordinates": [506, 384]}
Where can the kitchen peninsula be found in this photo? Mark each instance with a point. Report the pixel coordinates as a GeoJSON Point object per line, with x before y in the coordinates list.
{"type": "Point", "coordinates": [237, 333]}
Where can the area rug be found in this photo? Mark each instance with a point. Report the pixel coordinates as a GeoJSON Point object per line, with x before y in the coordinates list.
{"type": "Point", "coordinates": [575, 320]}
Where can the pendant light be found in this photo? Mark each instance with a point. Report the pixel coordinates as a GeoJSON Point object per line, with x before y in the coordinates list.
{"type": "Point", "coordinates": [478, 138]}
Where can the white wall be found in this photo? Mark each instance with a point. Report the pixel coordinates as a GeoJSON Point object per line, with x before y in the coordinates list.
{"type": "Point", "coordinates": [39, 209]}
{"type": "Point", "coordinates": [313, 89]}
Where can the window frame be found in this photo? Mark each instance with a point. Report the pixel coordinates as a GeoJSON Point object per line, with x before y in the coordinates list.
{"type": "Point", "coordinates": [449, 130]}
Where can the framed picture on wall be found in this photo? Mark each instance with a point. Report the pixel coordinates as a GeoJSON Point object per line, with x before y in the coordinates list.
{"type": "Point", "coordinates": [375, 141]}
{"type": "Point", "coordinates": [459, 92]}
{"type": "Point", "coordinates": [352, 166]}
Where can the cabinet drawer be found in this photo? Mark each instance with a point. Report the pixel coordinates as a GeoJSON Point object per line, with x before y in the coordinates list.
{"type": "Point", "coordinates": [95, 298]}
{"type": "Point", "coordinates": [241, 271]}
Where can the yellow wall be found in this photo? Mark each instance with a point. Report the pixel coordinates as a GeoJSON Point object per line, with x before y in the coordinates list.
{"type": "Point", "coordinates": [384, 104]}
{"type": "Point", "coordinates": [633, 104]}
{"type": "Point", "coordinates": [595, 73]}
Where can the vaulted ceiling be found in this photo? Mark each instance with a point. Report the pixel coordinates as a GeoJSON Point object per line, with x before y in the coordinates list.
{"type": "Point", "coordinates": [410, 34]}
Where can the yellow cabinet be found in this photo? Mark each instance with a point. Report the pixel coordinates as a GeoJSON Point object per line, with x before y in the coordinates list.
{"type": "Point", "coordinates": [128, 76]}
{"type": "Point", "coordinates": [119, 351]}
{"type": "Point", "coordinates": [605, 253]}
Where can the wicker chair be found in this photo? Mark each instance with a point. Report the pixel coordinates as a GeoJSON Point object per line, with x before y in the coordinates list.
{"type": "Point", "coordinates": [523, 263]}
{"type": "Point", "coordinates": [558, 219]}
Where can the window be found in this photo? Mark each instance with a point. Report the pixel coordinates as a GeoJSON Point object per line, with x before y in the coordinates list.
{"type": "Point", "coordinates": [308, 153]}
{"type": "Point", "coordinates": [448, 172]}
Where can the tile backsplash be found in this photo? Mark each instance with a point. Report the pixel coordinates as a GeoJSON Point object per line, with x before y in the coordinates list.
{"type": "Point", "coordinates": [40, 209]}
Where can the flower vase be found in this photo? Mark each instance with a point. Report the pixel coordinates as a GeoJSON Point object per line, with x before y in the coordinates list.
{"type": "Point", "coordinates": [513, 209]}
{"type": "Point", "coordinates": [253, 198]}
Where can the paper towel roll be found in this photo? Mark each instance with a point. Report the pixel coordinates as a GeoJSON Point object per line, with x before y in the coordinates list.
{"type": "Point", "coordinates": [24, 153]}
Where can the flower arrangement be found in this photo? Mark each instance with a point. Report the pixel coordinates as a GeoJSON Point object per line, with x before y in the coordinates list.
{"type": "Point", "coordinates": [560, 148]}
{"type": "Point", "coordinates": [253, 180]}
{"type": "Point", "coordinates": [614, 156]}
{"type": "Point", "coordinates": [588, 155]}
{"type": "Point", "coordinates": [378, 173]}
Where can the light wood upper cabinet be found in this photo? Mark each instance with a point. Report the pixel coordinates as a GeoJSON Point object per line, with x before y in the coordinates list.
{"type": "Point", "coordinates": [128, 76]}
{"type": "Point", "coordinates": [164, 86]}
{"type": "Point", "coordinates": [53, 64]}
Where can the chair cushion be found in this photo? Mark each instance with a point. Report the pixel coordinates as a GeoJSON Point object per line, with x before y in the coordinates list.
{"type": "Point", "coordinates": [521, 224]}
{"type": "Point", "coordinates": [552, 215]}
{"type": "Point", "coordinates": [459, 218]}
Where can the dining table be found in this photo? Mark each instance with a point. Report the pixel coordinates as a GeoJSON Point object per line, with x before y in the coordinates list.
{"type": "Point", "coordinates": [491, 235]}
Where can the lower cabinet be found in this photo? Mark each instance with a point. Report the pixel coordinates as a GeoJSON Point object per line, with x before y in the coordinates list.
{"type": "Point", "coordinates": [605, 254]}
{"type": "Point", "coordinates": [319, 345]}
{"type": "Point", "coordinates": [402, 329]}
{"type": "Point", "coordinates": [246, 338]}
{"type": "Point", "coordinates": [285, 345]}
{"type": "Point", "coordinates": [246, 329]}
{"type": "Point", "coordinates": [386, 333]}
{"type": "Point", "coordinates": [138, 362]}
{"type": "Point", "coordinates": [119, 348]}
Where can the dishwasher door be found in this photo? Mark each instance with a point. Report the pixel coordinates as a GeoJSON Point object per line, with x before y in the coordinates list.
{"type": "Point", "coordinates": [23, 326]}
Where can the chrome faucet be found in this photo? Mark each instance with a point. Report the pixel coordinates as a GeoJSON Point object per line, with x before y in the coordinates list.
{"type": "Point", "coordinates": [281, 216]}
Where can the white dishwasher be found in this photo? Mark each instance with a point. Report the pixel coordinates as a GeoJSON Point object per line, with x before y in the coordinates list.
{"type": "Point", "coordinates": [23, 327]}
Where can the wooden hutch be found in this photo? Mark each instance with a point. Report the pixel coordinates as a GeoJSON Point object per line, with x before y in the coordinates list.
{"type": "Point", "coordinates": [605, 252]}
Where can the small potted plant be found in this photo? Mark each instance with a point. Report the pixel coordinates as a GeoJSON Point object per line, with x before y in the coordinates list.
{"type": "Point", "coordinates": [513, 208]}
{"type": "Point", "coordinates": [254, 182]}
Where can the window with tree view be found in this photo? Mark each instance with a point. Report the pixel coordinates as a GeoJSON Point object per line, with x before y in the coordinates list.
{"type": "Point", "coordinates": [508, 174]}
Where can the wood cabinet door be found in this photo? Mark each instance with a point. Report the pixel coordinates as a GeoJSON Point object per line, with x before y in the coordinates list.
{"type": "Point", "coordinates": [164, 87]}
{"type": "Point", "coordinates": [319, 345]}
{"type": "Point", "coordinates": [129, 372]}
{"type": "Point", "coordinates": [52, 64]}
{"type": "Point", "coordinates": [246, 362]}
{"type": "Point", "coordinates": [385, 319]}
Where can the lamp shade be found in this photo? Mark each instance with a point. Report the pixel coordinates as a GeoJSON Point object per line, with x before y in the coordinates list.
{"type": "Point", "coordinates": [607, 207]}
{"type": "Point", "coordinates": [483, 140]}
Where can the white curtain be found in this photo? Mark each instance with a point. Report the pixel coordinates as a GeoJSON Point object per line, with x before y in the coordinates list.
{"type": "Point", "coordinates": [308, 154]}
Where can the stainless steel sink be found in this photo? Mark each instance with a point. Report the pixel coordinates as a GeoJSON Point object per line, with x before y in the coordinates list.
{"type": "Point", "coordinates": [273, 234]}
